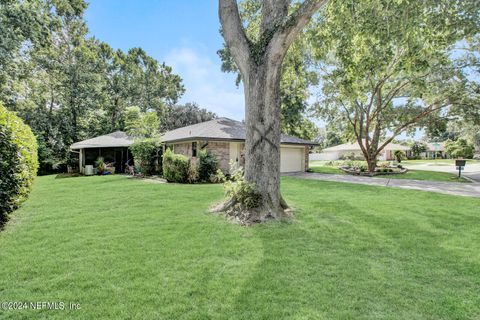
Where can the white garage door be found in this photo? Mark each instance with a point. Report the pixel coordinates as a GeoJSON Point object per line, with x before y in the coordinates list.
{"type": "Point", "coordinates": [291, 159]}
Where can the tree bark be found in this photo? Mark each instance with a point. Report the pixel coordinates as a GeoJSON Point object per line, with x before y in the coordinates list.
{"type": "Point", "coordinates": [261, 72]}
{"type": "Point", "coordinates": [263, 131]}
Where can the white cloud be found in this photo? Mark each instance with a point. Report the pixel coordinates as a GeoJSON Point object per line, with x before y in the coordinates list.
{"type": "Point", "coordinates": [205, 83]}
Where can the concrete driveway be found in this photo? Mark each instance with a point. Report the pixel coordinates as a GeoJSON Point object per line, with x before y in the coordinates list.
{"type": "Point", "coordinates": [472, 170]}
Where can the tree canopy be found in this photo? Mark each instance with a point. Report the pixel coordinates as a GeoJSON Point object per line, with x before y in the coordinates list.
{"type": "Point", "coordinates": [387, 65]}
{"type": "Point", "coordinates": [69, 86]}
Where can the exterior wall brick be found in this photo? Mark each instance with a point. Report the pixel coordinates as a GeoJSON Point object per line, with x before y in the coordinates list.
{"type": "Point", "coordinates": [183, 148]}
{"type": "Point", "coordinates": [222, 151]}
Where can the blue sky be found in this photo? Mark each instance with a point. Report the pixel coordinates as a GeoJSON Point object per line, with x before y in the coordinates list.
{"type": "Point", "coordinates": [183, 34]}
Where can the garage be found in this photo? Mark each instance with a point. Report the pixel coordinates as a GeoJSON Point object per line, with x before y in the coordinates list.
{"type": "Point", "coordinates": [292, 159]}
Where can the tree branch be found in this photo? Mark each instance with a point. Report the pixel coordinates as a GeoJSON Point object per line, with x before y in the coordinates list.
{"type": "Point", "coordinates": [285, 35]}
{"type": "Point", "coordinates": [234, 34]}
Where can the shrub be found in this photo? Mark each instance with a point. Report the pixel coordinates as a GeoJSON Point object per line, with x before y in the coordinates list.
{"type": "Point", "coordinates": [175, 167]}
{"type": "Point", "coordinates": [207, 165]}
{"type": "Point", "coordinates": [192, 175]}
{"type": "Point", "coordinates": [146, 154]}
{"type": "Point", "coordinates": [399, 155]}
{"type": "Point", "coordinates": [242, 193]}
{"type": "Point", "coordinates": [18, 162]}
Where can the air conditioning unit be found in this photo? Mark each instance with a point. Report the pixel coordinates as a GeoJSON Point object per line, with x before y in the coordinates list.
{"type": "Point", "coordinates": [89, 170]}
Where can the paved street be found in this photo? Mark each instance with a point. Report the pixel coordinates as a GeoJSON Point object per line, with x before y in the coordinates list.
{"type": "Point", "coordinates": [453, 188]}
{"type": "Point", "coordinates": [472, 170]}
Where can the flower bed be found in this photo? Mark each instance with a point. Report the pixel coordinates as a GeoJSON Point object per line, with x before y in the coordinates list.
{"type": "Point", "coordinates": [378, 171]}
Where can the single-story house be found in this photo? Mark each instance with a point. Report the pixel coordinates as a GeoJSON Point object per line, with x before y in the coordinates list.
{"type": "Point", "coordinates": [435, 150]}
{"type": "Point", "coordinates": [112, 147]}
{"type": "Point", "coordinates": [224, 137]}
{"type": "Point", "coordinates": [346, 149]}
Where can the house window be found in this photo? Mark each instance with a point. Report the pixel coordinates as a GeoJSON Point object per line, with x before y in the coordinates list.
{"type": "Point", "coordinates": [194, 149]}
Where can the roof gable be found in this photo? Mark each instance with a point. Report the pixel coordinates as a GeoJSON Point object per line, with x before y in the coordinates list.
{"type": "Point", "coordinates": [114, 139]}
{"type": "Point", "coordinates": [219, 129]}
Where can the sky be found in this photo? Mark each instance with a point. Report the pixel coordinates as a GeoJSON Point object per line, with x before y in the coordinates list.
{"type": "Point", "coordinates": [182, 33]}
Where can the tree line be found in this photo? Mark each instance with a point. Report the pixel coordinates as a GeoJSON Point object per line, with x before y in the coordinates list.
{"type": "Point", "coordinates": [68, 86]}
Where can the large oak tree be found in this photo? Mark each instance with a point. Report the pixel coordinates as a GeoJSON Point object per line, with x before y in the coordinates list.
{"type": "Point", "coordinates": [260, 65]}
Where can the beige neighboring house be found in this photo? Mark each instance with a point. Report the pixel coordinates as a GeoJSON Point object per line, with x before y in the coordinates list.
{"type": "Point", "coordinates": [435, 150]}
{"type": "Point", "coordinates": [225, 138]}
{"type": "Point", "coordinates": [338, 152]}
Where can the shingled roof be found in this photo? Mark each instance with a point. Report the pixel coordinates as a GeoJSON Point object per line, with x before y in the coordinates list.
{"type": "Point", "coordinates": [220, 129]}
{"type": "Point", "coordinates": [114, 139]}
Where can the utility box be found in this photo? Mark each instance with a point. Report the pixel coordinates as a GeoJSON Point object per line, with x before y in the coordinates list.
{"type": "Point", "coordinates": [89, 170]}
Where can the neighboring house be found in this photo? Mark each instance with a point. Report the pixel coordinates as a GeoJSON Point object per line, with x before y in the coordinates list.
{"type": "Point", "coordinates": [112, 147]}
{"type": "Point", "coordinates": [226, 139]}
{"type": "Point", "coordinates": [435, 150]}
{"type": "Point", "coordinates": [347, 149]}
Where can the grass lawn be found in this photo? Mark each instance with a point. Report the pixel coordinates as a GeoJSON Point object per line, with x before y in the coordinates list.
{"type": "Point", "coordinates": [125, 249]}
{"type": "Point", "coordinates": [427, 175]}
{"type": "Point", "coordinates": [436, 162]}
{"type": "Point", "coordinates": [411, 174]}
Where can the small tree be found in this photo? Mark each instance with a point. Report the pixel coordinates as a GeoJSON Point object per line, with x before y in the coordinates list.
{"type": "Point", "coordinates": [146, 153]}
{"type": "Point", "coordinates": [418, 148]}
{"type": "Point", "coordinates": [207, 165]}
{"type": "Point", "coordinates": [459, 149]}
{"type": "Point", "coordinates": [399, 154]}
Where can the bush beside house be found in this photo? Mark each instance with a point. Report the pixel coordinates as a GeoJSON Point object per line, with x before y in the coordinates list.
{"type": "Point", "coordinates": [18, 162]}
{"type": "Point", "coordinates": [147, 153]}
{"type": "Point", "coordinates": [207, 165]}
{"type": "Point", "coordinates": [176, 167]}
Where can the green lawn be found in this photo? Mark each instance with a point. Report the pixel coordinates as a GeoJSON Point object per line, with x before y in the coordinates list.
{"type": "Point", "coordinates": [427, 175]}
{"type": "Point", "coordinates": [411, 174]}
{"type": "Point", "coordinates": [436, 162]}
{"type": "Point", "coordinates": [126, 249]}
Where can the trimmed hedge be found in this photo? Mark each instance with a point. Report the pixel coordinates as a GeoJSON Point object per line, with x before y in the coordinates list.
{"type": "Point", "coordinates": [18, 162]}
{"type": "Point", "coordinates": [175, 167]}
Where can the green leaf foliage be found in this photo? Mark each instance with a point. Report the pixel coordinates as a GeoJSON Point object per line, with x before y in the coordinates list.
{"type": "Point", "coordinates": [147, 155]}
{"type": "Point", "coordinates": [175, 167]}
{"type": "Point", "coordinates": [18, 162]}
{"type": "Point", "coordinates": [207, 165]}
{"type": "Point", "coordinates": [459, 149]}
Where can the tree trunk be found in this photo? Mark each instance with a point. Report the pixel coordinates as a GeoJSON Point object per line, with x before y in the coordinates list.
{"type": "Point", "coordinates": [372, 164]}
{"type": "Point", "coordinates": [262, 144]}
{"type": "Point", "coordinates": [260, 66]}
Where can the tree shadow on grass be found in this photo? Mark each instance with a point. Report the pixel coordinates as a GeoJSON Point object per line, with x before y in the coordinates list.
{"type": "Point", "coordinates": [356, 264]}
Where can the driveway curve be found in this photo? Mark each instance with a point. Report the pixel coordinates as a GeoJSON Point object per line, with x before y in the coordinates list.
{"type": "Point", "coordinates": [452, 188]}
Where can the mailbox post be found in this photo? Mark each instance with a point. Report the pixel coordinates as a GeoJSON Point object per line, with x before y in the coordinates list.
{"type": "Point", "coordinates": [460, 164]}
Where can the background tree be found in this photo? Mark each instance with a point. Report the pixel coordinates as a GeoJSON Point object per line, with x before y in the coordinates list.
{"type": "Point", "coordinates": [259, 61]}
{"type": "Point", "coordinates": [68, 86]}
{"type": "Point", "coordinates": [184, 115]}
{"type": "Point", "coordinates": [297, 76]}
{"type": "Point", "coordinates": [418, 148]}
{"type": "Point", "coordinates": [388, 65]}
{"type": "Point", "coordinates": [459, 149]}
